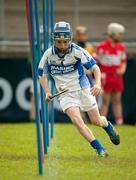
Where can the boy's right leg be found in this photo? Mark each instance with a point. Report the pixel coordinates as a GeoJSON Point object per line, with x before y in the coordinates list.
{"type": "Point", "coordinates": [102, 122]}
{"type": "Point", "coordinates": [75, 116]}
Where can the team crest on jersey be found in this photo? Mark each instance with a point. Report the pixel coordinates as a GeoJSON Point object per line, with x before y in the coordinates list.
{"type": "Point", "coordinates": [53, 61]}
{"type": "Point", "coordinates": [62, 69]}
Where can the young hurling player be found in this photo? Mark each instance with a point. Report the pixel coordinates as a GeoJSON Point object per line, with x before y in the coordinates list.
{"type": "Point", "coordinates": [64, 61]}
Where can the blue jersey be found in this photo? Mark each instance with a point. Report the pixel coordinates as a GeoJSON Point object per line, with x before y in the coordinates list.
{"type": "Point", "coordinates": [67, 69]}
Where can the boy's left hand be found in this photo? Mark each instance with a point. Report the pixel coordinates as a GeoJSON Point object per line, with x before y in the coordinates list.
{"type": "Point", "coordinates": [96, 90]}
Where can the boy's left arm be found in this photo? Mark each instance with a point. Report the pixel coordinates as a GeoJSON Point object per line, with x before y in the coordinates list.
{"type": "Point", "coordinates": [96, 89]}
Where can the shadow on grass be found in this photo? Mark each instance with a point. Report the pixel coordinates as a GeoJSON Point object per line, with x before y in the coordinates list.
{"type": "Point", "coordinates": [76, 158]}
{"type": "Point", "coordinates": [123, 161]}
{"type": "Point", "coordinates": [11, 157]}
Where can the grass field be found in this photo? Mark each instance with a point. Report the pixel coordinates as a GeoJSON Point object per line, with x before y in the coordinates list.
{"type": "Point", "coordinates": [69, 158]}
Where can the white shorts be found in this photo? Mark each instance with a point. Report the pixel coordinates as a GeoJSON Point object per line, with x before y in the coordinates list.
{"type": "Point", "coordinates": [81, 98]}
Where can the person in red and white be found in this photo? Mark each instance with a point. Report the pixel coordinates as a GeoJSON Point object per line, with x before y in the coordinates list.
{"type": "Point", "coordinates": [111, 57]}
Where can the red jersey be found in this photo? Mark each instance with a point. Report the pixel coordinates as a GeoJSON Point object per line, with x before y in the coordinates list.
{"type": "Point", "coordinates": [110, 56]}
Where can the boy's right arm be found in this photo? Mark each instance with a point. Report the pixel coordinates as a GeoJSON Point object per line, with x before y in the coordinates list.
{"type": "Point", "coordinates": [42, 77]}
{"type": "Point", "coordinates": [45, 87]}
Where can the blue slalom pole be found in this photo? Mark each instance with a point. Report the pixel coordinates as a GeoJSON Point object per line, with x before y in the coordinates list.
{"type": "Point", "coordinates": [52, 19]}
{"type": "Point", "coordinates": [47, 20]}
{"type": "Point", "coordinates": [52, 110]}
{"type": "Point", "coordinates": [41, 90]}
{"type": "Point", "coordinates": [44, 24]}
{"type": "Point", "coordinates": [44, 12]}
{"type": "Point", "coordinates": [32, 39]}
{"type": "Point", "coordinates": [52, 81]}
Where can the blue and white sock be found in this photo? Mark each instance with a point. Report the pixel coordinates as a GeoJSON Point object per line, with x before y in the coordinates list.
{"type": "Point", "coordinates": [96, 145]}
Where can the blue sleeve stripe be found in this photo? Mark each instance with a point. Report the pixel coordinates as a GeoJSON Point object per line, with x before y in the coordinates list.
{"type": "Point", "coordinates": [40, 72]}
{"type": "Point", "coordinates": [89, 63]}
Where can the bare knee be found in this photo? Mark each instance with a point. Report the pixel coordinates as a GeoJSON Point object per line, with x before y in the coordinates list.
{"type": "Point", "coordinates": [78, 122]}
{"type": "Point", "coordinates": [97, 122]}
{"type": "Point", "coordinates": [101, 121]}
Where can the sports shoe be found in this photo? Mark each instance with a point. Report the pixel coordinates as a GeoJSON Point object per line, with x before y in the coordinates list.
{"type": "Point", "coordinates": [102, 153]}
{"type": "Point", "coordinates": [114, 136]}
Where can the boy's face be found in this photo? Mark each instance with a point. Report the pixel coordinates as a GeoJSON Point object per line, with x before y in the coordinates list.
{"type": "Point", "coordinates": [62, 44]}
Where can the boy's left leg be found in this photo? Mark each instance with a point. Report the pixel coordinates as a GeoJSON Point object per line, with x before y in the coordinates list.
{"type": "Point", "coordinates": [101, 121]}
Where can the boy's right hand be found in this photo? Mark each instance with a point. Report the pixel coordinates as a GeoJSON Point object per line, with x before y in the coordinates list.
{"type": "Point", "coordinates": [48, 96]}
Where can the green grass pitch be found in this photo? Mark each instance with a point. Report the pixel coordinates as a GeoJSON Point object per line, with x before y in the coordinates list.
{"type": "Point", "coordinates": [70, 157]}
